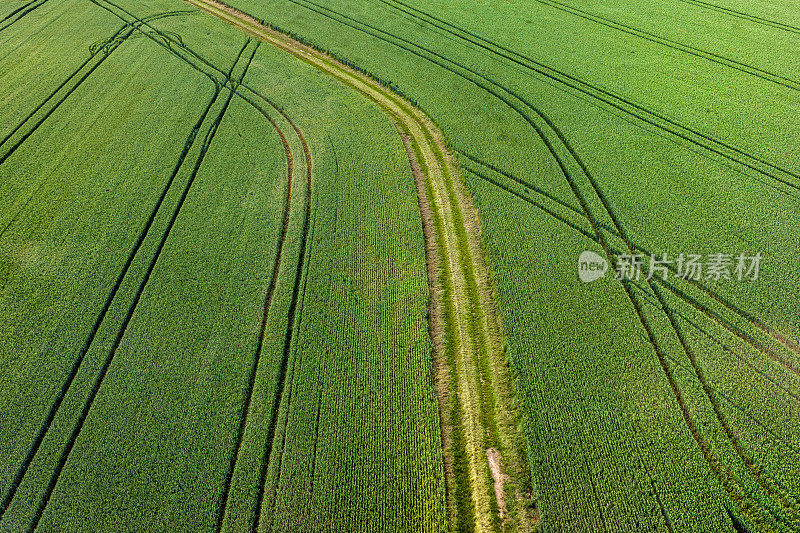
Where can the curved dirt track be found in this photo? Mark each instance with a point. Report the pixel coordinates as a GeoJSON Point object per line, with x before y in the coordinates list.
{"type": "Point", "coordinates": [480, 427]}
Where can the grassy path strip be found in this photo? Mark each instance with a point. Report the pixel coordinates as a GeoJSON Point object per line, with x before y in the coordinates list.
{"type": "Point", "coordinates": [470, 360]}
{"type": "Point", "coordinates": [544, 128]}
{"type": "Point", "coordinates": [582, 170]}
{"type": "Point", "coordinates": [567, 164]}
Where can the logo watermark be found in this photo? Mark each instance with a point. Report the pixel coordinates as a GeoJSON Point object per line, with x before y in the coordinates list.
{"type": "Point", "coordinates": [697, 267]}
{"type": "Point", "coordinates": [591, 266]}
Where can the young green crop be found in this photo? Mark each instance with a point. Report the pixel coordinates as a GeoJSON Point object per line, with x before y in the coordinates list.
{"type": "Point", "coordinates": [648, 127]}
{"type": "Point", "coordinates": [148, 213]}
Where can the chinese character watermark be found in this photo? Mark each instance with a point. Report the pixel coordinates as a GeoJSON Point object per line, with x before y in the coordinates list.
{"type": "Point", "coordinates": [694, 267]}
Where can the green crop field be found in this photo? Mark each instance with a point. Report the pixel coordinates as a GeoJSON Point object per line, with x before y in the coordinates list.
{"type": "Point", "coordinates": [320, 265]}
{"type": "Point", "coordinates": [151, 383]}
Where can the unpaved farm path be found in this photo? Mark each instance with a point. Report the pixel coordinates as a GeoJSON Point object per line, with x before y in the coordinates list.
{"type": "Point", "coordinates": [484, 462]}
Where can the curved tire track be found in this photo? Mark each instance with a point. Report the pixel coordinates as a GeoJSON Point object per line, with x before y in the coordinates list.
{"type": "Point", "coordinates": [290, 177]}
{"type": "Point", "coordinates": [472, 330]}
{"type": "Point", "coordinates": [572, 160]}
{"type": "Point", "coordinates": [544, 130]}
{"type": "Point", "coordinates": [695, 303]}
{"type": "Point", "coordinates": [615, 101]}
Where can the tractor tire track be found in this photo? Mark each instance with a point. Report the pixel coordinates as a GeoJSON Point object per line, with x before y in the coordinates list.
{"type": "Point", "coordinates": [766, 75]}
{"type": "Point", "coordinates": [429, 150]}
{"type": "Point", "coordinates": [648, 296]}
{"type": "Point", "coordinates": [103, 49]}
{"type": "Point", "coordinates": [730, 306]}
{"type": "Point", "coordinates": [547, 142]}
{"type": "Point", "coordinates": [171, 44]}
{"type": "Point", "coordinates": [197, 62]}
{"type": "Point", "coordinates": [321, 376]}
{"type": "Point", "coordinates": [711, 459]}
{"type": "Point", "coordinates": [743, 335]}
{"type": "Point", "coordinates": [778, 493]}
{"type": "Point", "coordinates": [115, 41]}
{"type": "Point", "coordinates": [652, 300]}
{"type": "Point", "coordinates": [81, 355]}
{"type": "Point", "coordinates": [273, 280]}
{"type": "Point", "coordinates": [786, 500]}
{"type": "Point", "coordinates": [323, 382]}
{"type": "Point", "coordinates": [209, 137]}
{"type": "Point", "coordinates": [108, 46]}
{"type": "Point", "coordinates": [268, 303]}
{"type": "Point", "coordinates": [281, 392]}
{"type": "Point", "coordinates": [716, 147]}
{"type": "Point", "coordinates": [713, 462]}
{"type": "Point", "coordinates": [789, 364]}
{"type": "Point", "coordinates": [743, 15]}
{"type": "Point", "coordinates": [23, 7]}
{"type": "Point", "coordinates": [20, 13]}
{"type": "Point", "coordinates": [446, 339]}
{"type": "Point", "coordinates": [288, 397]}
{"type": "Point", "coordinates": [471, 76]}
{"type": "Point", "coordinates": [66, 386]}
{"type": "Point", "coordinates": [611, 99]}
{"type": "Point", "coordinates": [722, 475]}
